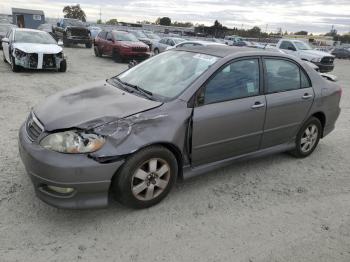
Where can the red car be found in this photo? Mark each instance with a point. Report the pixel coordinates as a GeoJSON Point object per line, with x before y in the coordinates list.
{"type": "Point", "coordinates": [120, 45]}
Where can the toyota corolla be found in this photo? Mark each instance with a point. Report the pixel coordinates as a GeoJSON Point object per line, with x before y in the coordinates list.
{"type": "Point", "coordinates": [133, 135]}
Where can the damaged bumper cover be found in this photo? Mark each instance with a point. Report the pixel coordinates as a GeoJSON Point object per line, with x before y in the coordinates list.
{"type": "Point", "coordinates": [38, 60]}
{"type": "Point", "coordinates": [74, 181]}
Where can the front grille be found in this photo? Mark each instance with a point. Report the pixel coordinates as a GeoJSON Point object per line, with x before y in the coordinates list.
{"type": "Point", "coordinates": [33, 60]}
{"type": "Point", "coordinates": [49, 61]}
{"type": "Point", "coordinates": [328, 60]}
{"type": "Point", "coordinates": [34, 127]}
{"type": "Point", "coordinates": [139, 49]}
{"type": "Point", "coordinates": [79, 32]}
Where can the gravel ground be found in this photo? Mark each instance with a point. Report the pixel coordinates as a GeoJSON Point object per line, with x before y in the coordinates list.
{"type": "Point", "coordinates": [275, 208]}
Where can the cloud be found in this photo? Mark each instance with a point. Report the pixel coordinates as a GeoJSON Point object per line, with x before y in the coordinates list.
{"type": "Point", "coordinates": [292, 15]}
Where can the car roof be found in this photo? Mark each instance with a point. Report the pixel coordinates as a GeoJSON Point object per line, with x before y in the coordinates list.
{"type": "Point", "coordinates": [224, 50]}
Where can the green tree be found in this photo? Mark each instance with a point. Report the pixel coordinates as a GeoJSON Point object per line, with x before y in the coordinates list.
{"type": "Point", "coordinates": [74, 11]}
{"type": "Point", "coordinates": [112, 22]}
{"type": "Point", "coordinates": [301, 33]}
{"type": "Point", "coordinates": [163, 21]}
{"type": "Point", "coordinates": [99, 21]}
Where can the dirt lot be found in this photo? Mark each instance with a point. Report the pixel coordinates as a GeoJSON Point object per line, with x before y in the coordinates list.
{"type": "Point", "coordinates": [271, 209]}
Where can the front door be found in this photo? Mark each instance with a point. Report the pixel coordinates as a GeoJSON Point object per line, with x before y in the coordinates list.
{"type": "Point", "coordinates": [229, 116]}
{"type": "Point", "coordinates": [6, 46]}
{"type": "Point", "coordinates": [289, 97]}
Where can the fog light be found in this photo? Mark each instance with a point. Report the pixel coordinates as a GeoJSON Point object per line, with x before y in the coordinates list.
{"type": "Point", "coordinates": [61, 190]}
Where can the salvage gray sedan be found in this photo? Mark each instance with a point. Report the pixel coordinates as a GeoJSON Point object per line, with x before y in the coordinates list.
{"type": "Point", "coordinates": [133, 135]}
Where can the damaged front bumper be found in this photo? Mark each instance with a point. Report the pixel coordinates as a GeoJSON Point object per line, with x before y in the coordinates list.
{"type": "Point", "coordinates": [38, 60]}
{"type": "Point", "coordinates": [72, 181]}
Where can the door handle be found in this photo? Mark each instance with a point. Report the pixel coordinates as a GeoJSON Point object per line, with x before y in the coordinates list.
{"type": "Point", "coordinates": [257, 105]}
{"type": "Point", "coordinates": [306, 96]}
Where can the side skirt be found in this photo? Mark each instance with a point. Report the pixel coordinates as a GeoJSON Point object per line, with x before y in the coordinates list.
{"type": "Point", "coordinates": [189, 171]}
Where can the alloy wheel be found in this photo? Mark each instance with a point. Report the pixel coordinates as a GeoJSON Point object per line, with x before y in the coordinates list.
{"type": "Point", "coordinates": [309, 138]}
{"type": "Point", "coordinates": [150, 179]}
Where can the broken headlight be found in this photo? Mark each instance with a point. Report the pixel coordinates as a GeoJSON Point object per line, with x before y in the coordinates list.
{"type": "Point", "coordinates": [19, 53]}
{"type": "Point", "coordinates": [73, 142]}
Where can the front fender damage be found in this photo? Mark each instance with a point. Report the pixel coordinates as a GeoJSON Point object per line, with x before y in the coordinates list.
{"type": "Point", "coordinates": [130, 134]}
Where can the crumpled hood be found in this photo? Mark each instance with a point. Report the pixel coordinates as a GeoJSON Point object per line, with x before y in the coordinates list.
{"type": "Point", "coordinates": [314, 53]}
{"type": "Point", "coordinates": [89, 107]}
{"type": "Point", "coordinates": [38, 48]}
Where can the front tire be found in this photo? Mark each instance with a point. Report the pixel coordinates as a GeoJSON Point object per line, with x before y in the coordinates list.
{"type": "Point", "coordinates": [14, 67]}
{"type": "Point", "coordinates": [146, 177]}
{"type": "Point", "coordinates": [97, 51]}
{"type": "Point", "coordinates": [307, 138]}
{"type": "Point", "coordinates": [116, 56]}
{"type": "Point", "coordinates": [63, 66]}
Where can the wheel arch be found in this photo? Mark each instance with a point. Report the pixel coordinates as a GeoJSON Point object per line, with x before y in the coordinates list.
{"type": "Point", "coordinates": [170, 146]}
{"type": "Point", "coordinates": [322, 117]}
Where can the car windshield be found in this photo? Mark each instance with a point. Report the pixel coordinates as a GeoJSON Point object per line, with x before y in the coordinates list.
{"type": "Point", "coordinates": [73, 22]}
{"type": "Point", "coordinates": [168, 74]}
{"type": "Point", "coordinates": [34, 37]}
{"type": "Point", "coordinates": [139, 34]}
{"type": "Point", "coordinates": [118, 36]}
{"type": "Point", "coordinates": [302, 46]}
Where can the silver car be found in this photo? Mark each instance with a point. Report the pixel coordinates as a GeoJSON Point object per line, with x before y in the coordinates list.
{"type": "Point", "coordinates": [133, 135]}
{"type": "Point", "coordinates": [165, 42]}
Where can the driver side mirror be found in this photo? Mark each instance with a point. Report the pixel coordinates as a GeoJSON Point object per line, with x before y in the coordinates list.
{"type": "Point", "coordinates": [5, 40]}
{"type": "Point", "coordinates": [291, 48]}
{"type": "Point", "coordinates": [110, 39]}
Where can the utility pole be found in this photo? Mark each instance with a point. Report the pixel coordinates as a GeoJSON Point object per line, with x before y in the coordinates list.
{"type": "Point", "coordinates": [266, 28]}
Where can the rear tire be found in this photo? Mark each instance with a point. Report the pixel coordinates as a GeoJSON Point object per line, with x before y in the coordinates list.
{"type": "Point", "coordinates": [63, 66]}
{"type": "Point", "coordinates": [14, 67]}
{"type": "Point", "coordinates": [146, 177]}
{"type": "Point", "coordinates": [156, 51]}
{"type": "Point", "coordinates": [308, 137]}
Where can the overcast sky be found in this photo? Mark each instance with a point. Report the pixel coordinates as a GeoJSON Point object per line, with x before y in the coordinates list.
{"type": "Point", "coordinates": [315, 16]}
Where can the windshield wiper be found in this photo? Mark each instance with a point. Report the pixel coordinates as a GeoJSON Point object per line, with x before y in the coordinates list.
{"type": "Point", "coordinates": [140, 90]}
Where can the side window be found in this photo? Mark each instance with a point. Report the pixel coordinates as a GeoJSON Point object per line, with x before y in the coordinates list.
{"type": "Point", "coordinates": [163, 41]}
{"type": "Point", "coordinates": [305, 81]}
{"type": "Point", "coordinates": [281, 75]}
{"type": "Point", "coordinates": [10, 35]}
{"type": "Point", "coordinates": [237, 80]}
{"type": "Point", "coordinates": [109, 36]}
{"type": "Point", "coordinates": [103, 34]}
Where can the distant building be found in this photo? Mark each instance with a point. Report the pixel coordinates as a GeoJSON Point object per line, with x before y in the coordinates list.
{"type": "Point", "coordinates": [25, 18]}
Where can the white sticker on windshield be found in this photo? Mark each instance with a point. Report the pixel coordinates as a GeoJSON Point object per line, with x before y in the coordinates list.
{"type": "Point", "coordinates": [251, 87]}
{"type": "Point", "coordinates": [205, 57]}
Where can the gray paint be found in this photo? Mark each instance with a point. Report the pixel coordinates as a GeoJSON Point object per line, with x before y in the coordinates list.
{"type": "Point", "coordinates": [206, 137]}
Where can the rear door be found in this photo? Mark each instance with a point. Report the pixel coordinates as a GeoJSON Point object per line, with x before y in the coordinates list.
{"type": "Point", "coordinates": [229, 115]}
{"type": "Point", "coordinates": [289, 97]}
